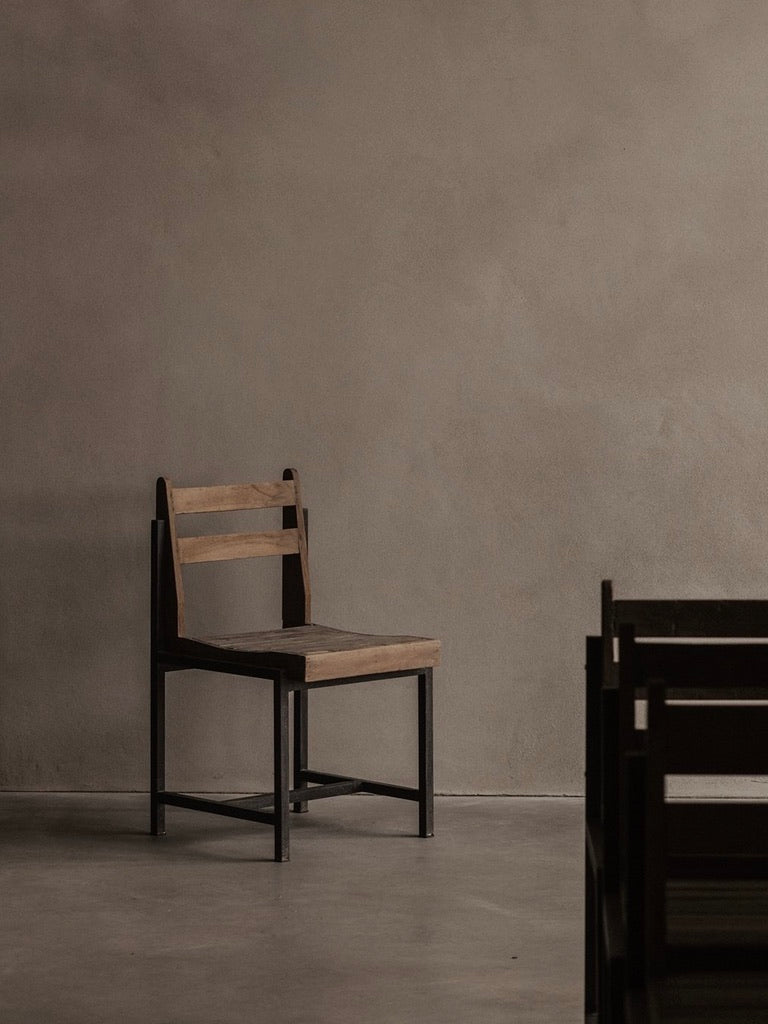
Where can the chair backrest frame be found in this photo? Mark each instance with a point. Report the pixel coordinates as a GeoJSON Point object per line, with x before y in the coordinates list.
{"type": "Point", "coordinates": [290, 543]}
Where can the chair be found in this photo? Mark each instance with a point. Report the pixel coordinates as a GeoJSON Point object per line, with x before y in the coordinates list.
{"type": "Point", "coordinates": [300, 657]}
{"type": "Point", "coordinates": [694, 874]}
{"type": "Point", "coordinates": [611, 736]}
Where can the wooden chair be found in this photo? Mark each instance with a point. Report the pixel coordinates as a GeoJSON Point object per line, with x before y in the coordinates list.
{"type": "Point", "coordinates": [300, 657]}
{"type": "Point", "coordinates": [695, 871]}
{"type": "Point", "coordinates": [655, 868]}
{"type": "Point", "coordinates": [612, 738]}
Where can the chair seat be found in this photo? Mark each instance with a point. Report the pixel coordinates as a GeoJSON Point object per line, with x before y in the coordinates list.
{"type": "Point", "coordinates": [314, 653]}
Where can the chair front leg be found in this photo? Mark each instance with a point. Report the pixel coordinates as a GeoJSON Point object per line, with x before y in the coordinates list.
{"type": "Point", "coordinates": [157, 749]}
{"type": "Point", "coordinates": [281, 749]}
{"type": "Point", "coordinates": [426, 783]}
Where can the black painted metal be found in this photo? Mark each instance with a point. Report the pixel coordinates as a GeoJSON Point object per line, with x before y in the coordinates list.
{"type": "Point", "coordinates": [197, 803]}
{"type": "Point", "coordinates": [592, 859]}
{"type": "Point", "coordinates": [282, 799]}
{"type": "Point", "coordinates": [301, 793]}
{"type": "Point", "coordinates": [378, 677]}
{"type": "Point", "coordinates": [157, 693]}
{"type": "Point", "coordinates": [366, 785]}
{"type": "Point", "coordinates": [300, 743]}
{"type": "Point", "coordinates": [426, 787]}
{"type": "Point", "coordinates": [293, 580]}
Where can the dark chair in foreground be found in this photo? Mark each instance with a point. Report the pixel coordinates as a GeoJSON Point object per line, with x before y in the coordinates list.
{"type": "Point", "coordinates": [298, 658]}
{"type": "Point", "coordinates": [693, 873]}
{"type": "Point", "coordinates": [625, 940]}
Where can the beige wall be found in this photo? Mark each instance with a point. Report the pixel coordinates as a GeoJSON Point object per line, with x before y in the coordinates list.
{"type": "Point", "coordinates": [492, 275]}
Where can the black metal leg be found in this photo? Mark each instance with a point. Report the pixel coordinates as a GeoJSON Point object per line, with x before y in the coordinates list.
{"type": "Point", "coordinates": [282, 789]}
{"type": "Point", "coordinates": [157, 749]}
{"type": "Point", "coordinates": [426, 784]}
{"type": "Point", "coordinates": [300, 743]}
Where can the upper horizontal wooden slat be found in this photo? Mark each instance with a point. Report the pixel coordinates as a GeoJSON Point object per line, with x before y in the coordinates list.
{"type": "Point", "coordinates": [234, 497]}
{"type": "Point", "coordinates": [221, 547]}
{"type": "Point", "coordinates": [692, 618]}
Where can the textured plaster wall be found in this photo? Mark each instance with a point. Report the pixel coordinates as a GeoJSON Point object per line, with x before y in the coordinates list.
{"type": "Point", "coordinates": [492, 275]}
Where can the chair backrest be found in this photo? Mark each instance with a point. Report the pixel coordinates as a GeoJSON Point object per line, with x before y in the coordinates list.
{"type": "Point", "coordinates": [683, 619]}
{"type": "Point", "coordinates": [290, 542]}
{"type": "Point", "coordinates": [701, 839]}
{"type": "Point", "coordinates": [686, 619]}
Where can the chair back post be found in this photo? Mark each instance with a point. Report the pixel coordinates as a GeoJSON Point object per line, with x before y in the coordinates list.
{"type": "Point", "coordinates": [629, 684]}
{"type": "Point", "coordinates": [156, 601]}
{"type": "Point", "coordinates": [628, 740]}
{"type": "Point", "coordinates": [607, 628]}
{"type": "Point", "coordinates": [594, 687]}
{"type": "Point", "coordinates": [297, 597]}
{"type": "Point", "coordinates": [168, 588]}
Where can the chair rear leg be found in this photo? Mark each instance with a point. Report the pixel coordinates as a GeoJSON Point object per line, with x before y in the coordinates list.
{"type": "Point", "coordinates": [426, 784]}
{"type": "Point", "coordinates": [300, 744]}
{"type": "Point", "coordinates": [157, 749]}
{"type": "Point", "coordinates": [282, 789]}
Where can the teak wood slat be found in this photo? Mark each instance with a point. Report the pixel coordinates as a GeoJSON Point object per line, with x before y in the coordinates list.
{"type": "Point", "coordinates": [222, 547]}
{"type": "Point", "coordinates": [234, 497]}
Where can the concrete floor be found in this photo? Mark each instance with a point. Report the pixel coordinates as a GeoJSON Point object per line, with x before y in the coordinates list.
{"type": "Point", "coordinates": [101, 924]}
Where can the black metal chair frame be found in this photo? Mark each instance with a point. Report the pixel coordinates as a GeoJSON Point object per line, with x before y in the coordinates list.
{"type": "Point", "coordinates": [308, 784]}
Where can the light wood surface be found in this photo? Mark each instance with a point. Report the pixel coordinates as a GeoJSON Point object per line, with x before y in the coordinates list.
{"type": "Point", "coordinates": [221, 547]}
{"type": "Point", "coordinates": [233, 497]}
{"type": "Point", "coordinates": [321, 652]}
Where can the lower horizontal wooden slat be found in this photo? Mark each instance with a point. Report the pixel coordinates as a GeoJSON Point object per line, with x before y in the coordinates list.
{"type": "Point", "coordinates": [222, 547]}
{"type": "Point", "coordinates": [365, 785]}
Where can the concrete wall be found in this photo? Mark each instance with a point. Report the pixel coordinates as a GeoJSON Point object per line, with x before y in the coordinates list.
{"type": "Point", "coordinates": [492, 275]}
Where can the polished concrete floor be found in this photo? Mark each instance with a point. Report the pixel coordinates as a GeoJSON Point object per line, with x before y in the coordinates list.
{"type": "Point", "coordinates": [101, 924]}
